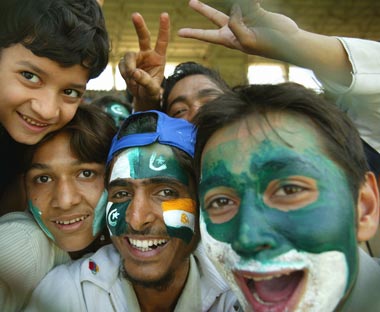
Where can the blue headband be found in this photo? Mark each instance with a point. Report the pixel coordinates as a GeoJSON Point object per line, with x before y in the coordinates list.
{"type": "Point", "coordinates": [169, 131]}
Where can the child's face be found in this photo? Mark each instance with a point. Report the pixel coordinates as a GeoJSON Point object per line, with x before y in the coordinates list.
{"type": "Point", "coordinates": [37, 95]}
{"type": "Point", "coordinates": [278, 216]}
{"type": "Point", "coordinates": [63, 193]}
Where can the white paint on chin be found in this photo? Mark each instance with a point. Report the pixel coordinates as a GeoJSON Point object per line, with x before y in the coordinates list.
{"type": "Point", "coordinates": [326, 280]}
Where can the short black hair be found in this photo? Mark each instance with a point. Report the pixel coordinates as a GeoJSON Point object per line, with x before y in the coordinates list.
{"type": "Point", "coordinates": [186, 69]}
{"type": "Point", "coordinates": [68, 32]}
{"type": "Point", "coordinates": [340, 137]}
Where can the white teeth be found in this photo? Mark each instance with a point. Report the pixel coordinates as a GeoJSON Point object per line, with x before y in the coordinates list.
{"type": "Point", "coordinates": [265, 278]}
{"type": "Point", "coordinates": [146, 245]}
{"type": "Point", "coordinates": [32, 122]}
{"type": "Point", "coordinates": [71, 221]}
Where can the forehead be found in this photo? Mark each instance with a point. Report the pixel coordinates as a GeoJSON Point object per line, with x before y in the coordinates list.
{"type": "Point", "coordinates": [144, 162]}
{"type": "Point", "coordinates": [289, 131]}
{"type": "Point", "coordinates": [56, 147]}
{"type": "Point", "coordinates": [191, 85]}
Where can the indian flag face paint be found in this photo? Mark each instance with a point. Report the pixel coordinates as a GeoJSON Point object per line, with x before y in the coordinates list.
{"type": "Point", "coordinates": [179, 217]}
{"type": "Point", "coordinates": [272, 199]}
{"type": "Point", "coordinates": [155, 161]}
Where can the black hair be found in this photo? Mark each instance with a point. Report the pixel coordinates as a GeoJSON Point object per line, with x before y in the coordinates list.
{"type": "Point", "coordinates": [186, 69]}
{"type": "Point", "coordinates": [68, 32]}
{"type": "Point", "coordinates": [341, 140]}
{"type": "Point", "coordinates": [91, 132]}
{"type": "Point", "coordinates": [146, 123]}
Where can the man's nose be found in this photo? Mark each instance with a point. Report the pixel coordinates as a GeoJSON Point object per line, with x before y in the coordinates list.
{"type": "Point", "coordinates": [139, 214]}
{"type": "Point", "coordinates": [66, 194]}
{"type": "Point", "coordinates": [255, 237]}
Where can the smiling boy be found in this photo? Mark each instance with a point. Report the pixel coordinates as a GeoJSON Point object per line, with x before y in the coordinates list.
{"type": "Point", "coordinates": [155, 262]}
{"type": "Point", "coordinates": [285, 196]}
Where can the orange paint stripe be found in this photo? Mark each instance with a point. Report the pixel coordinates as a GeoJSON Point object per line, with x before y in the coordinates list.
{"type": "Point", "coordinates": [185, 204]}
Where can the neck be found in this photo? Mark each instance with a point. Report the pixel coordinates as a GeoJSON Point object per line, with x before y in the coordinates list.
{"type": "Point", "coordinates": [163, 300]}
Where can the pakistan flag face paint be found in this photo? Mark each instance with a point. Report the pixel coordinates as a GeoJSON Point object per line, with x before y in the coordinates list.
{"type": "Point", "coordinates": [149, 162]}
{"type": "Point", "coordinates": [271, 209]}
{"type": "Point", "coordinates": [37, 216]}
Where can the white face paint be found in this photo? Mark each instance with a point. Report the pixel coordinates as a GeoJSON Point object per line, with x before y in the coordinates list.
{"type": "Point", "coordinates": [325, 277]}
{"type": "Point", "coordinates": [122, 167]}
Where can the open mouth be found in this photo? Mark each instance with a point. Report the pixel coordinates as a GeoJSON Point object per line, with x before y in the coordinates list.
{"type": "Point", "coordinates": [272, 292]}
{"type": "Point", "coordinates": [145, 245]}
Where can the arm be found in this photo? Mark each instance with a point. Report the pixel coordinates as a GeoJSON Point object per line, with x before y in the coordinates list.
{"type": "Point", "coordinates": [24, 260]}
{"type": "Point", "coordinates": [272, 35]}
{"type": "Point", "coordinates": [143, 71]}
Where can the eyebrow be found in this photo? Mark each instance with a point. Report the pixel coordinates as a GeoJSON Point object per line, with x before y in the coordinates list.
{"type": "Point", "coordinates": [200, 93]}
{"type": "Point", "coordinates": [155, 180]}
{"type": "Point", "coordinates": [40, 71]}
{"type": "Point", "coordinates": [42, 166]}
{"type": "Point", "coordinates": [281, 162]}
{"type": "Point", "coordinates": [276, 164]}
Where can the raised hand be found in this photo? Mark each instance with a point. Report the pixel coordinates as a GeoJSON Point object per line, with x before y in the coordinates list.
{"type": "Point", "coordinates": [143, 71]}
{"type": "Point", "coordinates": [257, 31]}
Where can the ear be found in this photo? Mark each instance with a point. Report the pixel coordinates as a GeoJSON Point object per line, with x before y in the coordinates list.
{"type": "Point", "coordinates": [368, 208]}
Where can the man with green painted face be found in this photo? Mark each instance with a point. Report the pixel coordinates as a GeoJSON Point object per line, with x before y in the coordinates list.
{"type": "Point", "coordinates": [155, 262]}
{"type": "Point", "coordinates": [285, 196]}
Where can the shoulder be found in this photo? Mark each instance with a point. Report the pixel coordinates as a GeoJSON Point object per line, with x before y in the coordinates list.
{"type": "Point", "coordinates": [80, 282]}
{"type": "Point", "coordinates": [21, 237]}
{"type": "Point", "coordinates": [25, 258]}
{"type": "Point", "coordinates": [215, 292]}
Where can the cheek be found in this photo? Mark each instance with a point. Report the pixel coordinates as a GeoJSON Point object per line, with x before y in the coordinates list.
{"type": "Point", "coordinates": [179, 217]}
{"type": "Point", "coordinates": [67, 112]}
{"type": "Point", "coordinates": [115, 218]}
{"type": "Point", "coordinates": [93, 193]}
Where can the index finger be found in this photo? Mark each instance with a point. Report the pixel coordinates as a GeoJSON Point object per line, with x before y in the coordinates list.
{"type": "Point", "coordinates": [142, 31]}
{"type": "Point", "coordinates": [216, 17]}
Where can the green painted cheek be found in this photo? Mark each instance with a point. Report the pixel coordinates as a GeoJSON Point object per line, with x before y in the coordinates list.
{"type": "Point", "coordinates": [224, 232]}
{"type": "Point", "coordinates": [100, 214]}
{"type": "Point", "coordinates": [324, 225]}
{"type": "Point", "coordinates": [116, 218]}
{"type": "Point", "coordinates": [37, 216]}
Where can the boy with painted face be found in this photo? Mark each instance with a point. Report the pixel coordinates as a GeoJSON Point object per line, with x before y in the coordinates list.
{"type": "Point", "coordinates": [285, 196]}
{"type": "Point", "coordinates": [64, 183]}
{"type": "Point", "coordinates": [155, 262]}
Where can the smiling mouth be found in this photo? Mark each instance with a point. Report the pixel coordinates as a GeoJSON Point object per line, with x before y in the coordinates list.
{"type": "Point", "coordinates": [33, 122]}
{"type": "Point", "coordinates": [67, 222]}
{"type": "Point", "coordinates": [278, 292]}
{"type": "Point", "coordinates": [145, 245]}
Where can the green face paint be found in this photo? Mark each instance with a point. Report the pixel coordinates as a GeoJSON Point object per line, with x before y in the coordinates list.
{"type": "Point", "coordinates": [260, 185]}
{"type": "Point", "coordinates": [37, 216]}
{"type": "Point", "coordinates": [153, 163]}
{"type": "Point", "coordinates": [99, 221]}
{"type": "Point", "coordinates": [116, 218]}
{"type": "Point", "coordinates": [146, 162]}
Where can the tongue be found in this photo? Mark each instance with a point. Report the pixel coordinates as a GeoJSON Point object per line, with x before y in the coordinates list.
{"type": "Point", "coordinates": [277, 289]}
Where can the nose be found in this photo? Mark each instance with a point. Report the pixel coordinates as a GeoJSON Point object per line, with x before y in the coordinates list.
{"type": "Point", "coordinates": [255, 237]}
{"type": "Point", "coordinates": [46, 106]}
{"type": "Point", "coordinates": [66, 195]}
{"type": "Point", "coordinates": [140, 214]}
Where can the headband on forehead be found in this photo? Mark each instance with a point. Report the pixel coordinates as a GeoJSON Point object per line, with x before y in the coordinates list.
{"type": "Point", "coordinates": [169, 131]}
